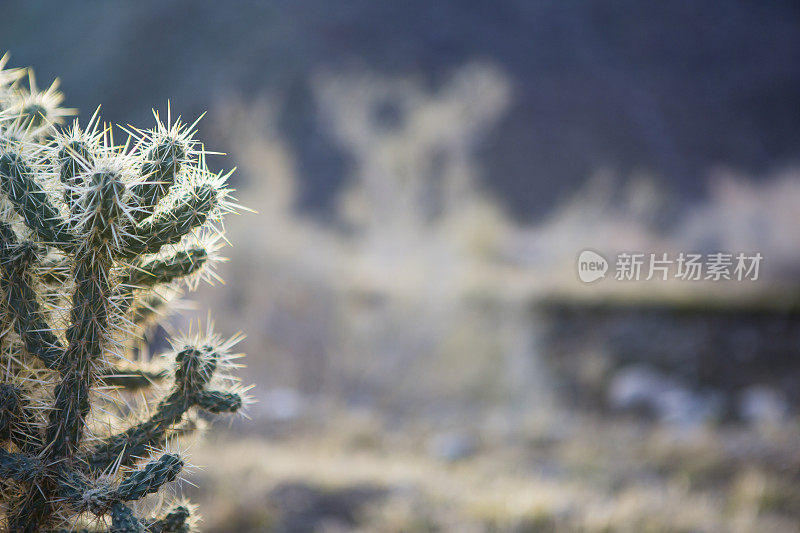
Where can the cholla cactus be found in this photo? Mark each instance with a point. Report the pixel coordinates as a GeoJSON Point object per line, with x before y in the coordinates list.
{"type": "Point", "coordinates": [95, 239]}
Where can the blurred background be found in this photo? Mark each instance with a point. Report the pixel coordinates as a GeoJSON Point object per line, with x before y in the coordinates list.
{"type": "Point", "coordinates": [424, 176]}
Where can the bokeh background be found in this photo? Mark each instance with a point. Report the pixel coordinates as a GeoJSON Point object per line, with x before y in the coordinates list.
{"type": "Point", "coordinates": [424, 175]}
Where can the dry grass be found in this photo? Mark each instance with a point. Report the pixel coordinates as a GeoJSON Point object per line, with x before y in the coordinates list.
{"type": "Point", "coordinates": [591, 475]}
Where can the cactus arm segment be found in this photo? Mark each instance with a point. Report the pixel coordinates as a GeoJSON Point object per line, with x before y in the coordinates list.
{"type": "Point", "coordinates": [195, 367]}
{"type": "Point", "coordinates": [170, 226]}
{"type": "Point", "coordinates": [218, 401]}
{"type": "Point", "coordinates": [135, 441]}
{"type": "Point", "coordinates": [173, 522]}
{"type": "Point", "coordinates": [16, 420]}
{"type": "Point", "coordinates": [89, 319]}
{"type": "Point", "coordinates": [72, 158]}
{"type": "Point", "coordinates": [183, 263]}
{"type": "Point", "coordinates": [19, 467]}
{"type": "Point", "coordinates": [124, 521]}
{"type": "Point", "coordinates": [149, 478]}
{"type": "Point", "coordinates": [160, 169]}
{"type": "Point", "coordinates": [84, 496]}
{"type": "Point", "coordinates": [31, 202]}
{"type": "Point", "coordinates": [21, 302]}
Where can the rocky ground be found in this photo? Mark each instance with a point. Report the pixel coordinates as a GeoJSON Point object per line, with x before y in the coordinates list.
{"type": "Point", "coordinates": [567, 472]}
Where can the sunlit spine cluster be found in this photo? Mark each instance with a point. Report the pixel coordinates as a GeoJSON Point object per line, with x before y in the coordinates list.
{"type": "Point", "coordinates": [96, 240]}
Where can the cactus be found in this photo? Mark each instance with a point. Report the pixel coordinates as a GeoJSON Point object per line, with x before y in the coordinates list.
{"type": "Point", "coordinates": [96, 240]}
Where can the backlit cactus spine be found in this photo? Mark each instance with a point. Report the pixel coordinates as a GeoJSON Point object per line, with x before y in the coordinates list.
{"type": "Point", "coordinates": [94, 240]}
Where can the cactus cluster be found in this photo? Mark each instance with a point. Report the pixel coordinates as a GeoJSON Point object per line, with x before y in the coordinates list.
{"type": "Point", "coordinates": [96, 239]}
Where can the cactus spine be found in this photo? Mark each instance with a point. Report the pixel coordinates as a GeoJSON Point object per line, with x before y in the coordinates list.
{"type": "Point", "coordinates": [95, 240]}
